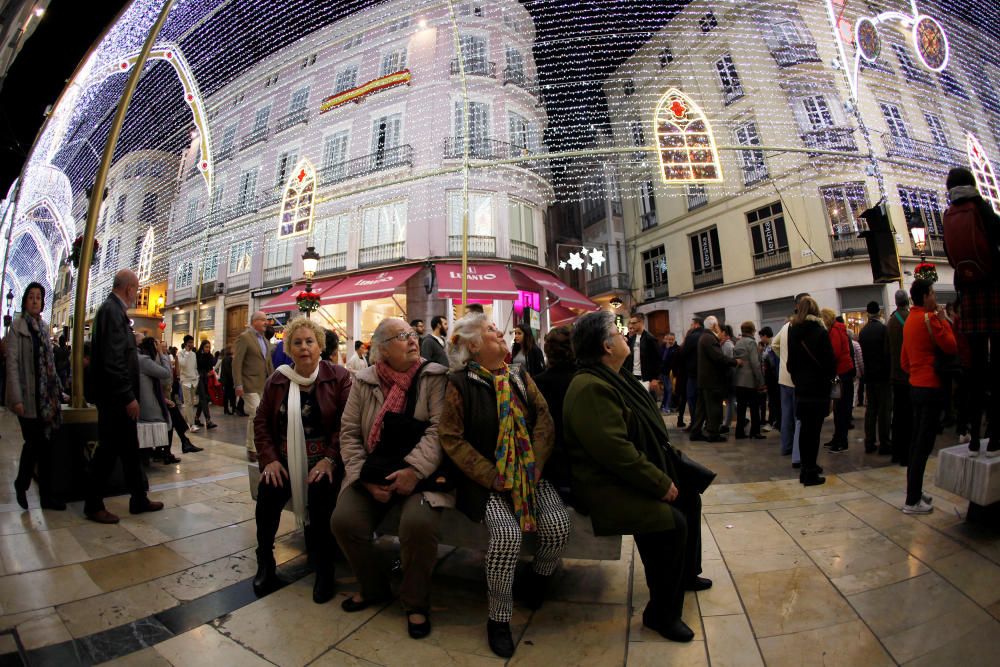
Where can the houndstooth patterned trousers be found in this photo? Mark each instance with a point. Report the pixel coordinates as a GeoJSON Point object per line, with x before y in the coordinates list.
{"type": "Point", "coordinates": [505, 544]}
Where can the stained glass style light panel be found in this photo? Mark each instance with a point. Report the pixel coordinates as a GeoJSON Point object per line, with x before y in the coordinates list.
{"type": "Point", "coordinates": [686, 147]}
{"type": "Point", "coordinates": [986, 179]}
{"type": "Point", "coordinates": [297, 205]}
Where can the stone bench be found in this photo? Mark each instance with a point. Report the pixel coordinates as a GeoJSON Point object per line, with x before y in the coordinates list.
{"type": "Point", "coordinates": [976, 479]}
{"type": "Point", "coordinates": [457, 530]}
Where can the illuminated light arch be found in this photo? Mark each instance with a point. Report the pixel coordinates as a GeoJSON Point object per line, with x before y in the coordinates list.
{"type": "Point", "coordinates": [684, 140]}
{"type": "Point", "coordinates": [146, 256]}
{"type": "Point", "coordinates": [929, 39]}
{"type": "Point", "coordinates": [986, 180]}
{"type": "Point", "coordinates": [172, 54]}
{"type": "Point", "coordinates": [298, 202]}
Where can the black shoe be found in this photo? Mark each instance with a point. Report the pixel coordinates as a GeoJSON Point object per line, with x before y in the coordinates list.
{"type": "Point", "coordinates": [870, 449]}
{"type": "Point", "coordinates": [53, 504]}
{"type": "Point", "coordinates": [696, 436]}
{"type": "Point", "coordinates": [758, 436]}
{"type": "Point", "coordinates": [813, 480]}
{"type": "Point", "coordinates": [698, 584]}
{"type": "Point", "coordinates": [170, 459]}
{"type": "Point", "coordinates": [740, 436]}
{"type": "Point", "coordinates": [241, 413]}
{"type": "Point", "coordinates": [681, 424]}
{"type": "Point", "coordinates": [715, 438]}
{"type": "Point", "coordinates": [884, 451]}
{"type": "Point", "coordinates": [350, 606]}
{"type": "Point", "coordinates": [501, 641]}
{"type": "Point", "coordinates": [212, 425]}
{"type": "Point", "coordinates": [838, 449]}
{"type": "Point", "coordinates": [21, 492]}
{"type": "Point", "coordinates": [724, 429]}
{"type": "Point", "coordinates": [796, 466]}
{"type": "Point", "coordinates": [197, 422]}
{"type": "Point", "coordinates": [675, 630]}
{"type": "Point", "coordinates": [189, 448]}
{"type": "Point", "coordinates": [325, 585]}
{"type": "Point", "coordinates": [266, 581]}
{"type": "Point", "coordinates": [419, 630]}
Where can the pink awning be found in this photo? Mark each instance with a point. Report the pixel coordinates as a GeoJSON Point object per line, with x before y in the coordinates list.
{"type": "Point", "coordinates": [286, 300]}
{"type": "Point", "coordinates": [559, 315]}
{"type": "Point", "coordinates": [371, 285]}
{"type": "Point", "coordinates": [565, 295]}
{"type": "Point", "coordinates": [486, 281]}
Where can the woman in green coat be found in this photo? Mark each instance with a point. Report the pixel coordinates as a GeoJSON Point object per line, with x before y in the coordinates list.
{"type": "Point", "coordinates": [623, 472]}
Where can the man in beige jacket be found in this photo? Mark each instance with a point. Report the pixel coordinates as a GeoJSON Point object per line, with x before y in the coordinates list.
{"type": "Point", "coordinates": [251, 368]}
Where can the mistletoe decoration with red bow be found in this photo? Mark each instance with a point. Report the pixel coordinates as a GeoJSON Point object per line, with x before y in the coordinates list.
{"type": "Point", "coordinates": [75, 251]}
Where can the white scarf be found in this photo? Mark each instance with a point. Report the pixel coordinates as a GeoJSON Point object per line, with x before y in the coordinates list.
{"type": "Point", "coordinates": [295, 437]}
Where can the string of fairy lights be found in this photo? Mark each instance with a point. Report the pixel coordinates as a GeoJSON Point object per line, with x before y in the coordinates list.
{"type": "Point", "coordinates": [560, 103]}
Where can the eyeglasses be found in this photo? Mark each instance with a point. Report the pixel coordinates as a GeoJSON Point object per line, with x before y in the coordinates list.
{"type": "Point", "coordinates": [403, 336]}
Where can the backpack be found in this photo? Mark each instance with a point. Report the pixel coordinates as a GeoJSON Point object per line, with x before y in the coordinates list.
{"type": "Point", "coordinates": [968, 247]}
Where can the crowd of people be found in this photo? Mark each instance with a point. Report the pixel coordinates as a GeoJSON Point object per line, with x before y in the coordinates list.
{"type": "Point", "coordinates": [513, 438]}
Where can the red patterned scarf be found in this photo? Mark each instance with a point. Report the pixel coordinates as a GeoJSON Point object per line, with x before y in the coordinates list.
{"type": "Point", "coordinates": [394, 387]}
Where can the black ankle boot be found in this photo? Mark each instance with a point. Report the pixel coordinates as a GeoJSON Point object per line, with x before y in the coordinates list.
{"type": "Point", "coordinates": [21, 493]}
{"type": "Point", "coordinates": [325, 585]}
{"type": "Point", "coordinates": [533, 589]}
{"type": "Point", "coordinates": [266, 580]}
{"type": "Point", "coordinates": [501, 641]}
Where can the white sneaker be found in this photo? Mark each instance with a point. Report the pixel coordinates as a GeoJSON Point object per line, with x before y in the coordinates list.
{"type": "Point", "coordinates": [193, 428]}
{"type": "Point", "coordinates": [920, 508]}
{"type": "Point", "coordinates": [926, 497]}
{"type": "Point", "coordinates": [964, 439]}
{"type": "Point", "coordinates": [765, 429]}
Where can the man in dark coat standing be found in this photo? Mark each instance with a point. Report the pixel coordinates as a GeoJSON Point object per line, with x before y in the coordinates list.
{"type": "Point", "coordinates": [645, 365]}
{"type": "Point", "coordinates": [902, 412]}
{"type": "Point", "coordinates": [689, 354]}
{"type": "Point", "coordinates": [874, 341]}
{"type": "Point", "coordinates": [115, 368]}
{"type": "Point", "coordinates": [713, 382]}
{"type": "Point", "coordinates": [434, 347]}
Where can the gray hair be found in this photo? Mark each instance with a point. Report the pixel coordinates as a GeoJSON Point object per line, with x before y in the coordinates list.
{"type": "Point", "coordinates": [380, 338]}
{"type": "Point", "coordinates": [302, 322]}
{"type": "Point", "coordinates": [464, 332]}
{"type": "Point", "coordinates": [590, 333]}
{"type": "Point", "coordinates": [902, 298]}
{"type": "Point", "coordinates": [711, 322]}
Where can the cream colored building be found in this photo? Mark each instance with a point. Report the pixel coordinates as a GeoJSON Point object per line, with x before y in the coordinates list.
{"type": "Point", "coordinates": [783, 220]}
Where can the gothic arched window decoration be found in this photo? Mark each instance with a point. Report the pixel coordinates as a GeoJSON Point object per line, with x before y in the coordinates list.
{"type": "Point", "coordinates": [684, 140]}
{"type": "Point", "coordinates": [297, 205]}
{"type": "Point", "coordinates": [986, 179]}
{"type": "Point", "coordinates": [146, 256]}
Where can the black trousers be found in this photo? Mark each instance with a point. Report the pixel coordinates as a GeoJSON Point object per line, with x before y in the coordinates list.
{"type": "Point", "coordinates": [36, 451]}
{"type": "Point", "coordinates": [927, 405]}
{"type": "Point", "coordinates": [118, 437]}
{"type": "Point", "coordinates": [321, 498]}
{"type": "Point", "coordinates": [204, 401]}
{"type": "Point", "coordinates": [902, 423]}
{"type": "Point", "coordinates": [228, 397]}
{"type": "Point", "coordinates": [985, 350]}
{"type": "Point", "coordinates": [747, 399]}
{"type": "Point", "coordinates": [877, 415]}
{"type": "Point", "coordinates": [842, 409]}
{"type": "Point", "coordinates": [773, 404]}
{"type": "Point", "coordinates": [811, 413]}
{"type": "Point", "coordinates": [709, 412]}
{"type": "Point", "coordinates": [680, 396]}
{"type": "Point", "coordinates": [672, 558]}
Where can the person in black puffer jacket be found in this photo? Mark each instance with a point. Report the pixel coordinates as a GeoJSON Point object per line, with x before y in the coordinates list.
{"type": "Point", "coordinates": [553, 382]}
{"type": "Point", "coordinates": [813, 367]}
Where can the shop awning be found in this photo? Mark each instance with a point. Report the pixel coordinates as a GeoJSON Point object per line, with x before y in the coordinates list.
{"type": "Point", "coordinates": [559, 315]}
{"type": "Point", "coordinates": [565, 295]}
{"type": "Point", "coordinates": [486, 281]}
{"type": "Point", "coordinates": [371, 285]}
{"type": "Point", "coordinates": [286, 300]}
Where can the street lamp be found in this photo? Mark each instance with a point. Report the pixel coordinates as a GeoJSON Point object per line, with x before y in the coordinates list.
{"type": "Point", "coordinates": [8, 318]}
{"type": "Point", "coordinates": [310, 262]}
{"type": "Point", "coordinates": [616, 303]}
{"type": "Point", "coordinates": [919, 234]}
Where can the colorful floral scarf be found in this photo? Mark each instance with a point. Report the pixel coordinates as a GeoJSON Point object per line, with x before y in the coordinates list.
{"type": "Point", "coordinates": [46, 379]}
{"type": "Point", "coordinates": [394, 387]}
{"type": "Point", "coordinates": [515, 458]}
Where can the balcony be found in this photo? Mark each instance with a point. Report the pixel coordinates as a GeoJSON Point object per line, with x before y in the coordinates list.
{"type": "Point", "coordinates": [731, 94]}
{"type": "Point", "coordinates": [476, 67]}
{"type": "Point", "coordinates": [225, 153]}
{"type": "Point", "coordinates": [254, 137]}
{"type": "Point", "coordinates": [479, 246]}
{"type": "Point", "coordinates": [848, 246]}
{"type": "Point", "coordinates": [237, 281]}
{"type": "Point", "coordinates": [382, 254]}
{"type": "Point", "coordinates": [913, 149]}
{"type": "Point", "coordinates": [612, 282]}
{"type": "Point", "coordinates": [788, 55]}
{"type": "Point", "coordinates": [772, 260]}
{"type": "Point", "coordinates": [291, 119]}
{"type": "Point", "coordinates": [831, 139]}
{"type": "Point", "coordinates": [518, 78]}
{"type": "Point", "coordinates": [594, 215]}
{"type": "Point", "coordinates": [274, 275]}
{"type": "Point", "coordinates": [648, 220]}
{"type": "Point", "coordinates": [933, 248]}
{"type": "Point", "coordinates": [707, 277]}
{"type": "Point", "coordinates": [697, 198]}
{"type": "Point", "coordinates": [523, 251]}
{"type": "Point", "coordinates": [245, 207]}
{"type": "Point", "coordinates": [389, 158]}
{"type": "Point", "coordinates": [332, 263]}
{"type": "Point", "coordinates": [754, 173]}
{"type": "Point", "coordinates": [494, 149]}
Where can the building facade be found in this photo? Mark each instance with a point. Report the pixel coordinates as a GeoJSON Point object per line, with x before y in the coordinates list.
{"type": "Point", "coordinates": [786, 216]}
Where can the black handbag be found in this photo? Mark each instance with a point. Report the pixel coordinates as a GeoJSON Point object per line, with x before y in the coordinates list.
{"type": "Point", "coordinates": [690, 473]}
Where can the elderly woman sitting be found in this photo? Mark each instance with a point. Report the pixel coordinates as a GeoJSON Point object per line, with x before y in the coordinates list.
{"type": "Point", "coordinates": [297, 435]}
{"type": "Point", "coordinates": [497, 429]}
{"type": "Point", "coordinates": [624, 472]}
{"type": "Point", "coordinates": [400, 388]}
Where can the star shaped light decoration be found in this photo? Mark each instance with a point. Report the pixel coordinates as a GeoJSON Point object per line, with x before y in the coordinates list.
{"type": "Point", "coordinates": [575, 261]}
{"type": "Point", "coordinates": [597, 257]}
{"type": "Point", "coordinates": [562, 265]}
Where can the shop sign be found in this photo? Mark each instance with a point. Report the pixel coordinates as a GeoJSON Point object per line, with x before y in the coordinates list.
{"type": "Point", "coordinates": [182, 320]}
{"type": "Point", "coordinates": [206, 319]}
{"type": "Point", "coordinates": [270, 291]}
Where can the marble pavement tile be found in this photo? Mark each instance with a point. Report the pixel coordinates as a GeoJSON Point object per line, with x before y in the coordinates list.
{"type": "Point", "coordinates": [337, 658]}
{"type": "Point", "coordinates": [573, 634]}
{"type": "Point", "coordinates": [741, 531]}
{"type": "Point", "coordinates": [205, 647]}
{"type": "Point", "coordinates": [37, 628]}
{"type": "Point", "coordinates": [169, 524]}
{"type": "Point", "coordinates": [786, 601]}
{"type": "Point", "coordinates": [876, 577]}
{"type": "Point", "coordinates": [45, 588]}
{"type": "Point", "coordinates": [187, 495]}
{"type": "Point", "coordinates": [731, 642]}
{"type": "Point", "coordinates": [972, 574]}
{"type": "Point", "coordinates": [709, 549]}
{"type": "Point", "coordinates": [721, 599]}
{"type": "Point", "coordinates": [994, 610]}
{"type": "Point", "coordinates": [876, 513]}
{"type": "Point", "coordinates": [980, 645]}
{"type": "Point", "coordinates": [25, 552]}
{"type": "Point", "coordinates": [216, 543]}
{"type": "Point", "coordinates": [644, 654]}
{"type": "Point", "coordinates": [209, 577]}
{"type": "Point", "coordinates": [922, 541]}
{"type": "Point", "coordinates": [935, 635]}
{"type": "Point", "coordinates": [134, 567]}
{"type": "Point", "coordinates": [85, 617]}
{"type": "Point", "coordinates": [287, 628]}
{"type": "Point", "coordinates": [849, 644]}
{"type": "Point", "coordinates": [592, 581]}
{"type": "Point", "coordinates": [147, 657]}
{"type": "Point", "coordinates": [458, 638]}
{"type": "Point", "coordinates": [36, 519]}
{"type": "Point", "coordinates": [857, 555]}
{"type": "Point", "coordinates": [99, 540]}
{"type": "Point", "coordinates": [767, 560]}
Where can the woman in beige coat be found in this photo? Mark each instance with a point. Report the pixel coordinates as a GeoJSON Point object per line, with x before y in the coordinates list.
{"type": "Point", "coordinates": [380, 390]}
